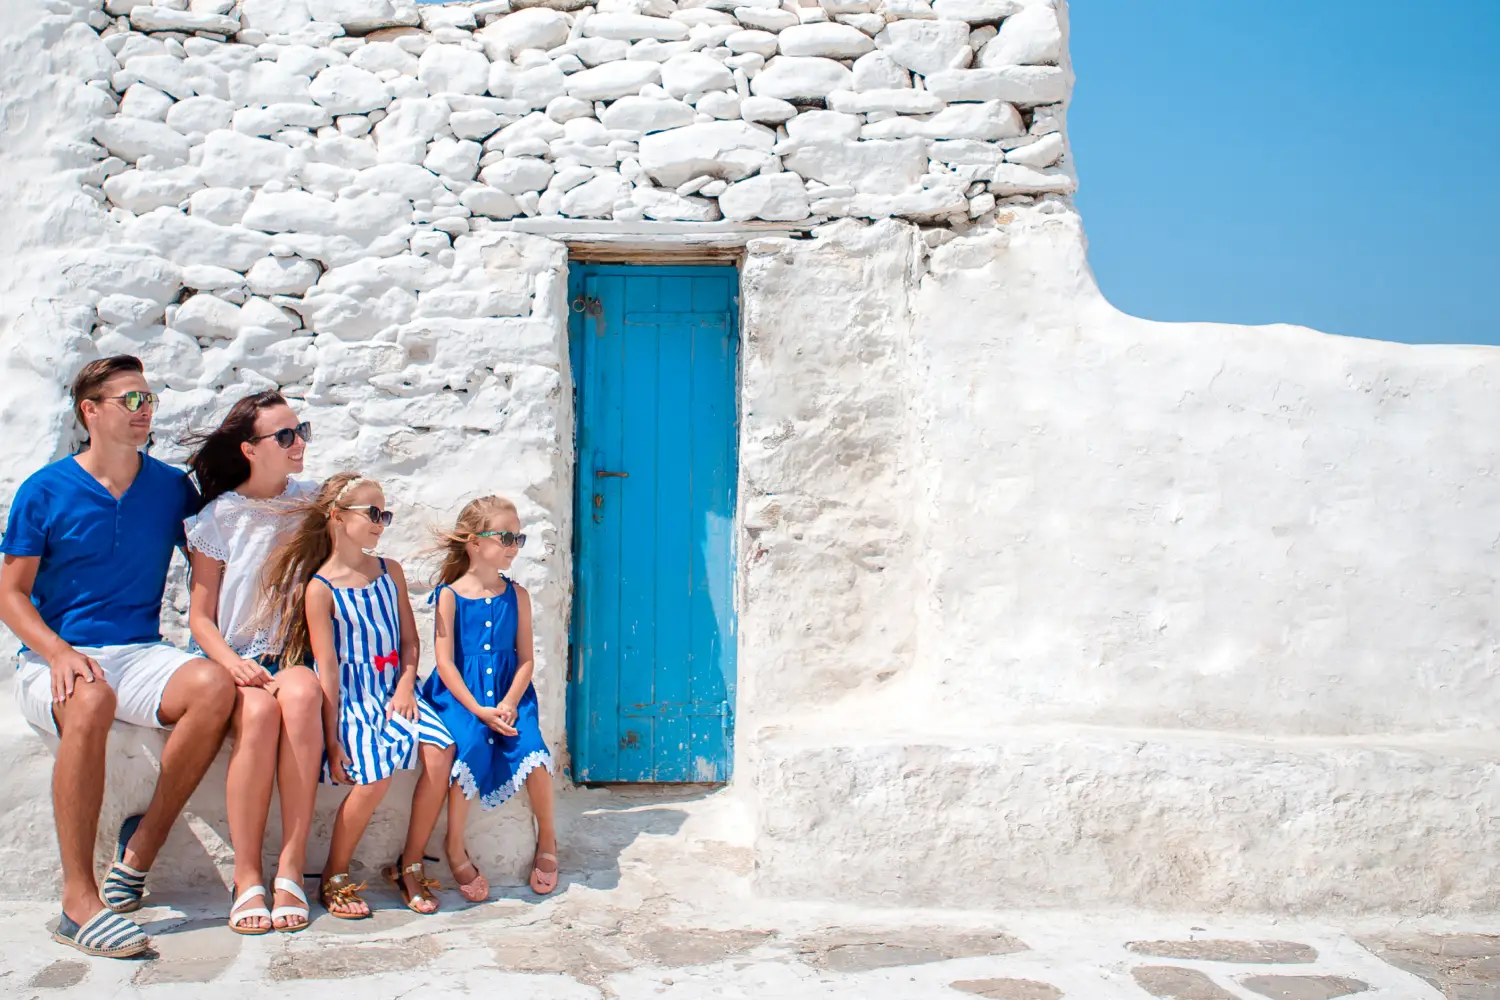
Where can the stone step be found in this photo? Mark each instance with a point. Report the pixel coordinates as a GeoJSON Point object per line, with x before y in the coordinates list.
{"type": "Point", "coordinates": [1085, 816]}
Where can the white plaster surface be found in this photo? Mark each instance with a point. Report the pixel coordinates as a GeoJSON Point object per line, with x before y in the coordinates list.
{"type": "Point", "coordinates": [1039, 604]}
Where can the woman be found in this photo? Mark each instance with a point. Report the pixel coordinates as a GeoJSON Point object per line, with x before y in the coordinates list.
{"type": "Point", "coordinates": [244, 471]}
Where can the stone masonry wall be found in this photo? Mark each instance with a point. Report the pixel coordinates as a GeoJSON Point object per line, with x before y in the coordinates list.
{"type": "Point", "coordinates": [351, 128]}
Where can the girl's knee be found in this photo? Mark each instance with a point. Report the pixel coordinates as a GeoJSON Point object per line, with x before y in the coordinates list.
{"type": "Point", "coordinates": [298, 690]}
{"type": "Point", "coordinates": [256, 714]}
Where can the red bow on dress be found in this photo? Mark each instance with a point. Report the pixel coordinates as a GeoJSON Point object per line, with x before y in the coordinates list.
{"type": "Point", "coordinates": [388, 661]}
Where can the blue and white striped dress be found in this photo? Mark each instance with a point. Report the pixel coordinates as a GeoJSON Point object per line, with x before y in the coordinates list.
{"type": "Point", "coordinates": [367, 641]}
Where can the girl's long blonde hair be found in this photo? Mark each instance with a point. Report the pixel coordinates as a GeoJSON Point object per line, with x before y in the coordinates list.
{"type": "Point", "coordinates": [453, 543]}
{"type": "Point", "coordinates": [292, 565]}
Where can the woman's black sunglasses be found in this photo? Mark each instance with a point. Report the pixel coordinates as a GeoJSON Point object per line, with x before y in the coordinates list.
{"type": "Point", "coordinates": [287, 436]}
{"type": "Point", "coordinates": [375, 514]}
{"type": "Point", "coordinates": [507, 538]}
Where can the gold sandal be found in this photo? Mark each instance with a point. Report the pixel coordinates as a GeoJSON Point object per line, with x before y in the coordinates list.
{"type": "Point", "coordinates": [393, 874]}
{"type": "Point", "coordinates": [338, 890]}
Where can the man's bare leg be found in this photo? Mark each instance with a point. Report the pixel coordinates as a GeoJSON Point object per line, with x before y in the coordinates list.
{"type": "Point", "coordinates": [78, 791]}
{"type": "Point", "coordinates": [197, 704]}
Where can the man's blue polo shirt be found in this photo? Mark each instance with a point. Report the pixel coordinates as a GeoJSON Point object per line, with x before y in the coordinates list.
{"type": "Point", "coordinates": [103, 561]}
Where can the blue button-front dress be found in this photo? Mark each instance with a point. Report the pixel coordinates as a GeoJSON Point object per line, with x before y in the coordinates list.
{"type": "Point", "coordinates": [488, 766]}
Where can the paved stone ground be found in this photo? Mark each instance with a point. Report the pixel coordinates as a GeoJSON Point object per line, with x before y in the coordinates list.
{"type": "Point", "coordinates": [656, 904]}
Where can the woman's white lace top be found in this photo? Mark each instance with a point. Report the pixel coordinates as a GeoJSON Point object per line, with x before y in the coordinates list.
{"type": "Point", "coordinates": [241, 533]}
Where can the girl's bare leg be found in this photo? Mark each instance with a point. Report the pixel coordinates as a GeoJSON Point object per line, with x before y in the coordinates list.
{"type": "Point", "coordinates": [348, 827]}
{"type": "Point", "coordinates": [453, 842]}
{"type": "Point", "coordinates": [539, 790]}
{"type": "Point", "coordinates": [426, 804]}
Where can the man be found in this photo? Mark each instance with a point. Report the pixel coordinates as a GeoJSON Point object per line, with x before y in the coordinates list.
{"type": "Point", "coordinates": [86, 552]}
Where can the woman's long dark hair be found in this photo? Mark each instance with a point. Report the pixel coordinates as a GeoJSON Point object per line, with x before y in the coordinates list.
{"type": "Point", "coordinates": [218, 463]}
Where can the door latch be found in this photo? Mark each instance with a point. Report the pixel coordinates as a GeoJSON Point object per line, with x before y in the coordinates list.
{"type": "Point", "coordinates": [587, 305]}
{"type": "Point", "coordinates": [611, 475]}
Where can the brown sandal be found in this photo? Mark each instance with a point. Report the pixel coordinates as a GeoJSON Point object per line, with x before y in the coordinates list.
{"type": "Point", "coordinates": [394, 874]}
{"type": "Point", "coordinates": [339, 890]}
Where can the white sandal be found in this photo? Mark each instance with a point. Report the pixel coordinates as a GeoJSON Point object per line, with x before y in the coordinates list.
{"type": "Point", "coordinates": [238, 916]}
{"type": "Point", "coordinates": [304, 911]}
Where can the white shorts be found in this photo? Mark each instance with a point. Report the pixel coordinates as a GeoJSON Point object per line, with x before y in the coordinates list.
{"type": "Point", "coordinates": [139, 674]}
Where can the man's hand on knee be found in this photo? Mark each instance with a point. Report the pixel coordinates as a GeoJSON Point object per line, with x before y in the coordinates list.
{"type": "Point", "coordinates": [69, 666]}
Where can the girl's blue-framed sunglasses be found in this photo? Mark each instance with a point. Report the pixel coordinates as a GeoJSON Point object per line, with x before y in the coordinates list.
{"type": "Point", "coordinates": [507, 538]}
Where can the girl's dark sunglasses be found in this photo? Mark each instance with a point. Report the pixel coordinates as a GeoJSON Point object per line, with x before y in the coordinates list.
{"type": "Point", "coordinates": [287, 436]}
{"type": "Point", "coordinates": [375, 514]}
{"type": "Point", "coordinates": [135, 399]}
{"type": "Point", "coordinates": [507, 538]}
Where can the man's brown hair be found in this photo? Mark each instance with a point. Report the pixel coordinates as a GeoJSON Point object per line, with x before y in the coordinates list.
{"type": "Point", "coordinates": [92, 377]}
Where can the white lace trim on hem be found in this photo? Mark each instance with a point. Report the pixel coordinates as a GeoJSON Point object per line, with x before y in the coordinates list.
{"type": "Point", "coordinates": [464, 778]}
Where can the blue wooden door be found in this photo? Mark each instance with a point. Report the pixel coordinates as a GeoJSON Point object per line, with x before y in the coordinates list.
{"type": "Point", "coordinates": [654, 353]}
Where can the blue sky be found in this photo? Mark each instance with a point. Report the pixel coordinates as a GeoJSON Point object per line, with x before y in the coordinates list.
{"type": "Point", "coordinates": [1331, 163]}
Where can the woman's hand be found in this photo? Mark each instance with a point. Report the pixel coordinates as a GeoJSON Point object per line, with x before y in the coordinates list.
{"type": "Point", "coordinates": [338, 763]}
{"type": "Point", "coordinates": [403, 702]}
{"type": "Point", "coordinates": [248, 673]}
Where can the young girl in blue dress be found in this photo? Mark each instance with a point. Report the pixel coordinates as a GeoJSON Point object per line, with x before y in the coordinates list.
{"type": "Point", "coordinates": [350, 609]}
{"type": "Point", "coordinates": [482, 687]}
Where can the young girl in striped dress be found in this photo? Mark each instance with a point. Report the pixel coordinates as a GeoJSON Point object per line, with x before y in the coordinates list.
{"type": "Point", "coordinates": [351, 610]}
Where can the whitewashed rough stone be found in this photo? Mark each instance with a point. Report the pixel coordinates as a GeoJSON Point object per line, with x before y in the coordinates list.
{"type": "Point", "coordinates": [872, 166]}
{"type": "Point", "coordinates": [878, 71]}
{"type": "Point", "coordinates": [1043, 153]}
{"type": "Point", "coordinates": [164, 19]}
{"type": "Point", "coordinates": [780, 197]}
{"type": "Point", "coordinates": [801, 77]}
{"type": "Point", "coordinates": [363, 16]}
{"type": "Point", "coordinates": [817, 126]}
{"type": "Point", "coordinates": [566, 109]}
{"type": "Point", "coordinates": [235, 160]}
{"type": "Point", "coordinates": [142, 101]}
{"type": "Point", "coordinates": [517, 175]}
{"type": "Point", "coordinates": [727, 150]}
{"type": "Point", "coordinates": [657, 203]}
{"type": "Point", "coordinates": [762, 43]}
{"type": "Point", "coordinates": [163, 72]}
{"type": "Point", "coordinates": [966, 151]}
{"type": "Point", "coordinates": [977, 11]}
{"type": "Point", "coordinates": [612, 80]}
{"type": "Point", "coordinates": [212, 277]}
{"type": "Point", "coordinates": [410, 181]}
{"type": "Point", "coordinates": [990, 120]}
{"type": "Point", "coordinates": [533, 28]}
{"type": "Point", "coordinates": [596, 199]}
{"type": "Point", "coordinates": [695, 73]}
{"type": "Point", "coordinates": [129, 311]}
{"type": "Point", "coordinates": [282, 276]}
{"type": "Point", "coordinates": [632, 27]}
{"type": "Point", "coordinates": [1031, 37]}
{"type": "Point", "coordinates": [901, 102]}
{"type": "Point", "coordinates": [220, 205]}
{"type": "Point", "coordinates": [140, 191]}
{"type": "Point", "coordinates": [478, 125]}
{"type": "Point", "coordinates": [489, 202]}
{"type": "Point", "coordinates": [456, 159]}
{"type": "Point", "coordinates": [1013, 178]}
{"type": "Point", "coordinates": [304, 60]}
{"type": "Point", "coordinates": [925, 46]}
{"type": "Point", "coordinates": [835, 41]}
{"type": "Point", "coordinates": [770, 110]}
{"type": "Point", "coordinates": [132, 138]}
{"type": "Point", "coordinates": [349, 90]}
{"type": "Point", "coordinates": [200, 115]}
{"type": "Point", "coordinates": [455, 16]}
{"type": "Point", "coordinates": [377, 57]}
{"type": "Point", "coordinates": [593, 51]}
{"type": "Point", "coordinates": [266, 83]}
{"type": "Point", "coordinates": [646, 114]}
{"type": "Point", "coordinates": [1023, 85]}
{"type": "Point", "coordinates": [720, 104]}
{"type": "Point", "coordinates": [453, 68]}
{"type": "Point", "coordinates": [206, 315]}
{"type": "Point", "coordinates": [765, 18]}
{"type": "Point", "coordinates": [403, 135]}
{"type": "Point", "coordinates": [938, 202]}
{"type": "Point", "coordinates": [274, 17]}
{"type": "Point", "coordinates": [265, 121]}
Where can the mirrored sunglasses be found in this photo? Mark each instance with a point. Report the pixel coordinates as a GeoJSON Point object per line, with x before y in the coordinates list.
{"type": "Point", "coordinates": [134, 399]}
{"type": "Point", "coordinates": [288, 436]}
{"type": "Point", "coordinates": [375, 514]}
{"type": "Point", "coordinates": [507, 538]}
